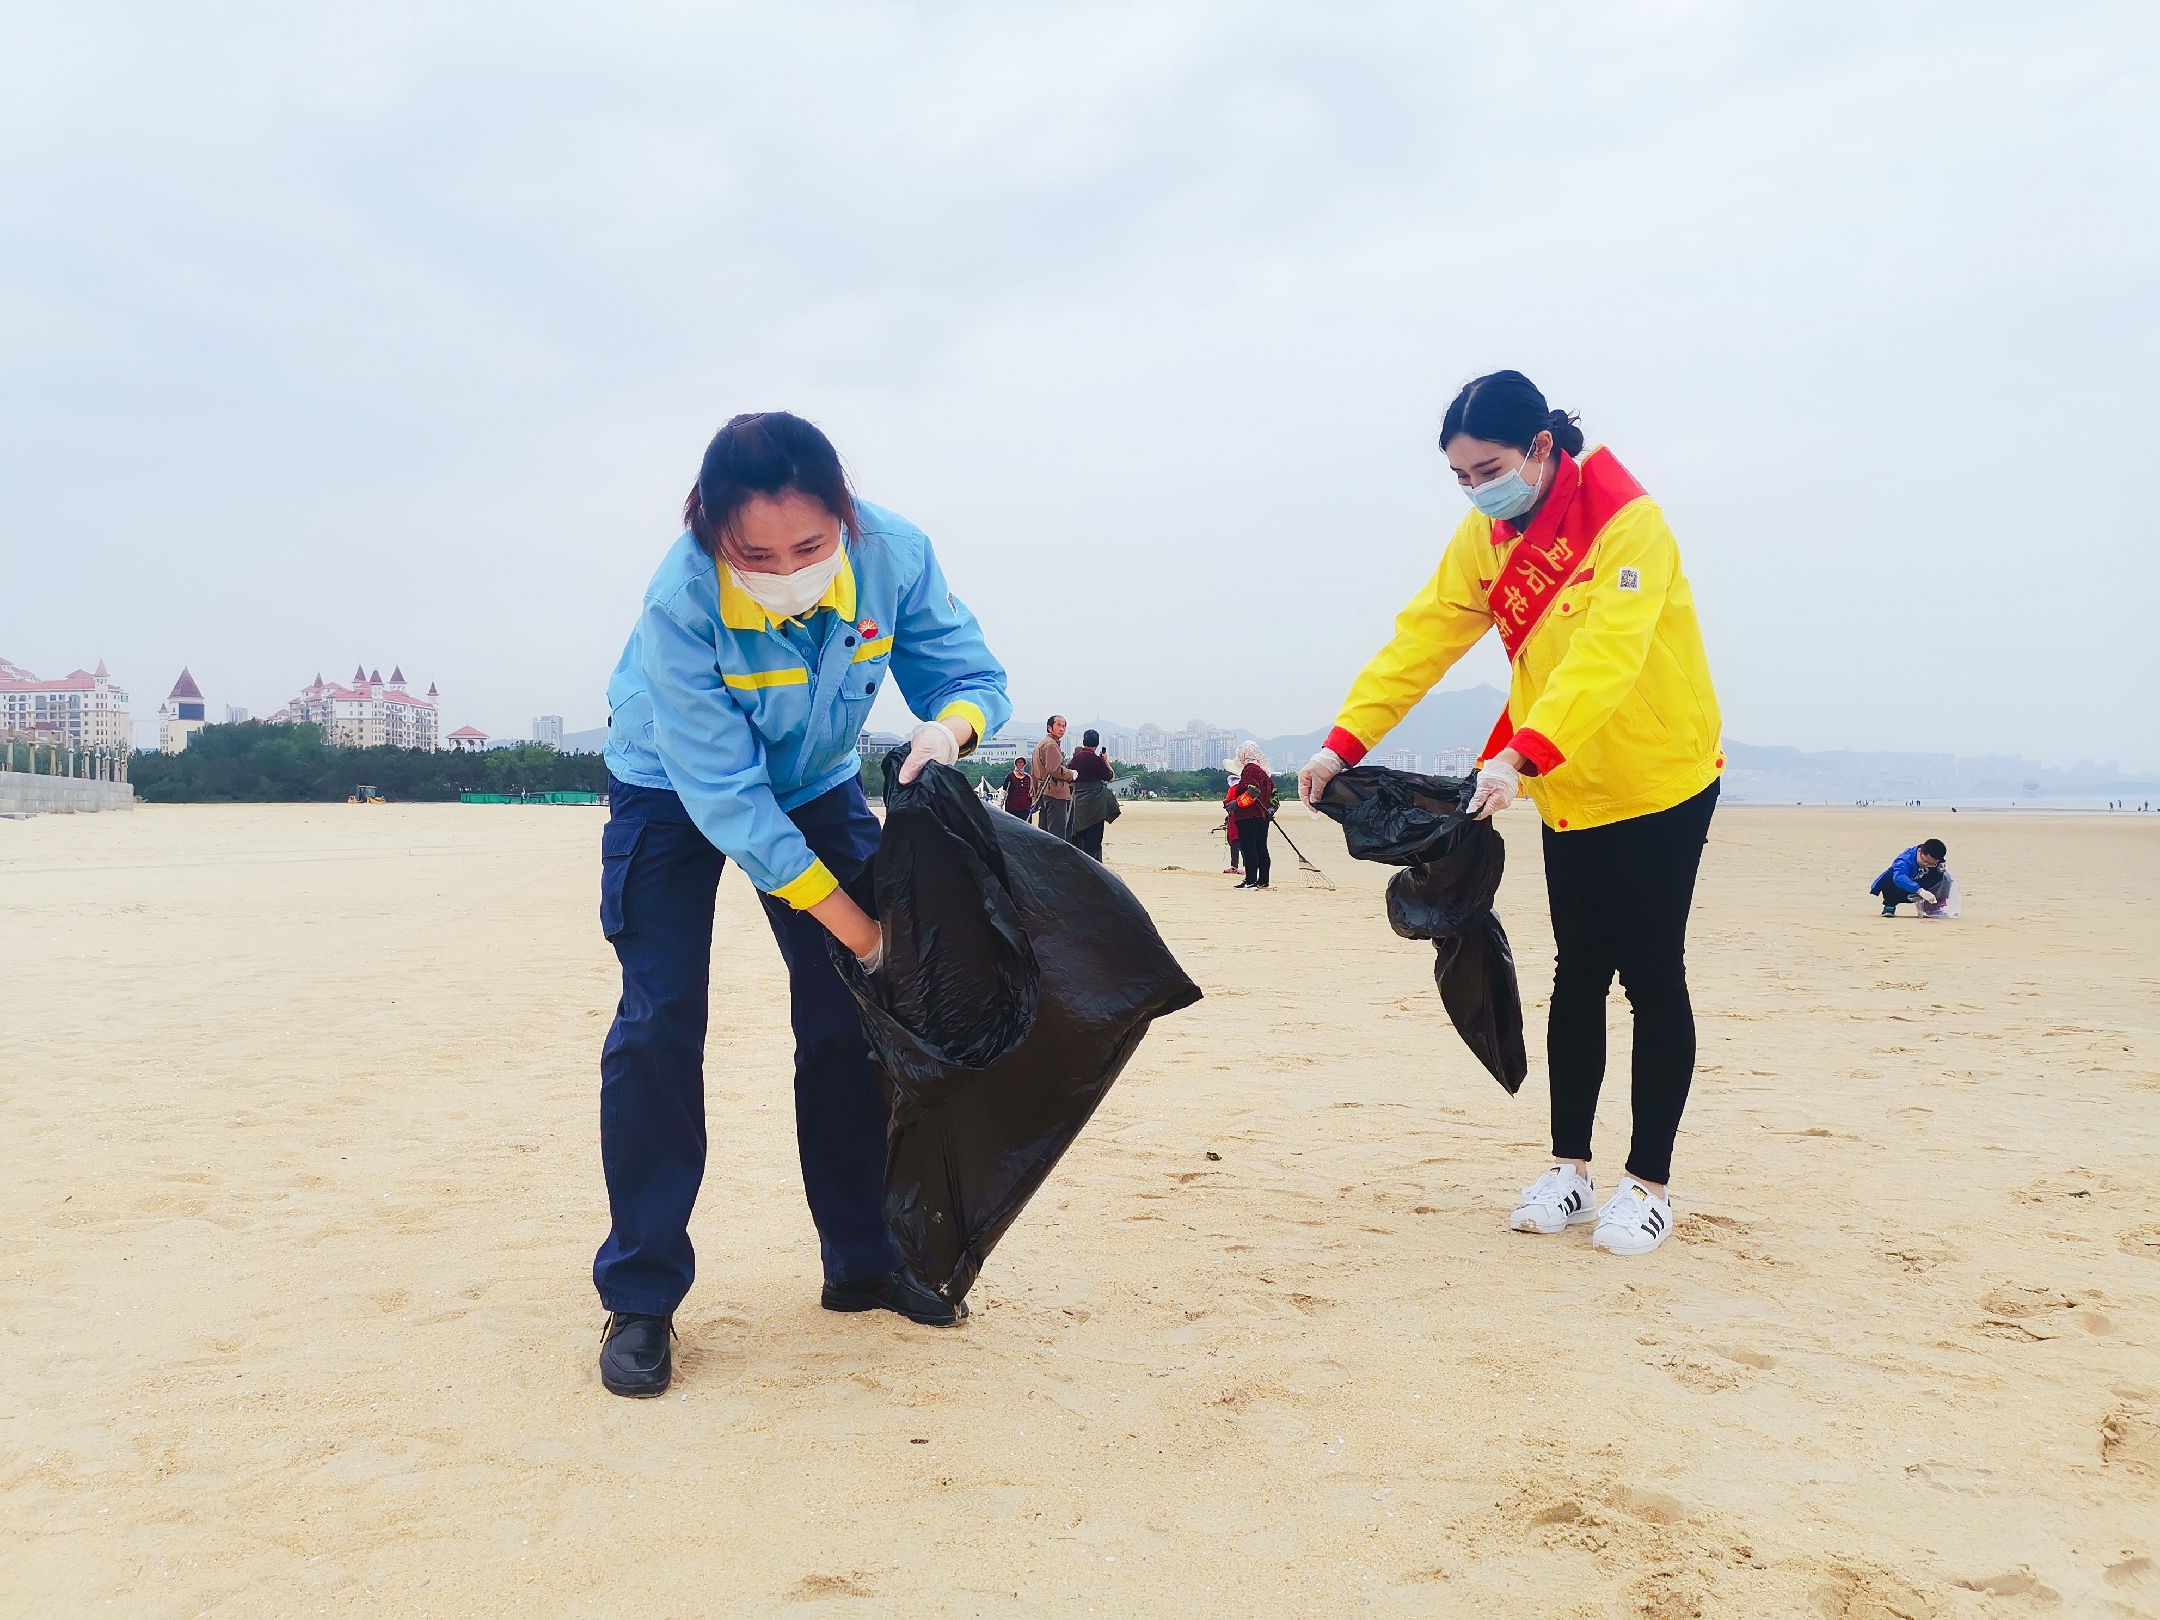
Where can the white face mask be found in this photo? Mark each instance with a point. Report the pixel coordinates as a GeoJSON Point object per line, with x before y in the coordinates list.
{"type": "Point", "coordinates": [790, 596]}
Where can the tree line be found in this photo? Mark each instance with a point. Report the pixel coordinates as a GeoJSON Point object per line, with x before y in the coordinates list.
{"type": "Point", "coordinates": [1188, 785]}
{"type": "Point", "coordinates": [255, 762]}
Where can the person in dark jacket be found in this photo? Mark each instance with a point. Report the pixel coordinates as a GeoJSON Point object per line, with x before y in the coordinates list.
{"type": "Point", "coordinates": [1019, 791]}
{"type": "Point", "coordinates": [1095, 803]}
{"type": "Point", "coordinates": [1251, 804]}
{"type": "Point", "coordinates": [1921, 867]}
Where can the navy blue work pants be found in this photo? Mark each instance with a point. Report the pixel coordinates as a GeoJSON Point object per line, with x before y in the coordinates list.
{"type": "Point", "coordinates": [658, 876]}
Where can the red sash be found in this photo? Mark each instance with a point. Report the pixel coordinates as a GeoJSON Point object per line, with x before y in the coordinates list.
{"type": "Point", "coordinates": [1585, 497]}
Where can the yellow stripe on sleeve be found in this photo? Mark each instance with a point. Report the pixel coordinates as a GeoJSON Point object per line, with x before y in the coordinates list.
{"type": "Point", "coordinates": [806, 891]}
{"type": "Point", "coordinates": [967, 711]}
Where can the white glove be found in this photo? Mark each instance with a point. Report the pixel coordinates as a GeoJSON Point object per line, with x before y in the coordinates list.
{"type": "Point", "coordinates": [876, 958]}
{"type": "Point", "coordinates": [1497, 784]}
{"type": "Point", "coordinates": [933, 739]}
{"type": "Point", "coordinates": [1312, 781]}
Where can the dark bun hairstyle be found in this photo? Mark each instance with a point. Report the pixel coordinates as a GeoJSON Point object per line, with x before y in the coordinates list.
{"type": "Point", "coordinates": [1091, 738]}
{"type": "Point", "coordinates": [764, 453]}
{"type": "Point", "coordinates": [1505, 407]}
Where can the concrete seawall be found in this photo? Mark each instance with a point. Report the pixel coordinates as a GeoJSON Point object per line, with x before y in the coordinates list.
{"type": "Point", "coordinates": [22, 794]}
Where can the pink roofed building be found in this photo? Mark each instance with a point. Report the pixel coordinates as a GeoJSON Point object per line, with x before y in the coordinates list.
{"type": "Point", "coordinates": [369, 713]}
{"type": "Point", "coordinates": [183, 713]}
{"type": "Point", "coordinates": [85, 710]}
{"type": "Point", "coordinates": [468, 740]}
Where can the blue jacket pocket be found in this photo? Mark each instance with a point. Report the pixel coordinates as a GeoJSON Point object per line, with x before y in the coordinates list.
{"type": "Point", "coordinates": [618, 846]}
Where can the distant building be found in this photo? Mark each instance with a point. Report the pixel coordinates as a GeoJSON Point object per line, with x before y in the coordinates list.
{"type": "Point", "coordinates": [1200, 747]}
{"type": "Point", "coordinates": [468, 740]}
{"type": "Point", "coordinates": [234, 717]}
{"type": "Point", "coordinates": [1119, 746]}
{"type": "Point", "coordinates": [872, 746]}
{"type": "Point", "coordinates": [370, 713]}
{"type": "Point", "coordinates": [999, 751]}
{"type": "Point", "coordinates": [86, 708]}
{"type": "Point", "coordinates": [181, 715]}
{"type": "Point", "coordinates": [547, 728]}
{"type": "Point", "coordinates": [1454, 762]}
{"type": "Point", "coordinates": [1151, 747]}
{"type": "Point", "coordinates": [1401, 759]}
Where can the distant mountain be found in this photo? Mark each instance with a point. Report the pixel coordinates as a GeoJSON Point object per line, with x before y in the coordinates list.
{"type": "Point", "coordinates": [1444, 720]}
{"type": "Point", "coordinates": [1462, 719]}
{"type": "Point", "coordinates": [1754, 772]}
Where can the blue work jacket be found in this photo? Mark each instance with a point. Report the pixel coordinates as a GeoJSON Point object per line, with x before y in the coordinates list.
{"type": "Point", "coordinates": [1907, 872]}
{"type": "Point", "coordinates": [747, 717]}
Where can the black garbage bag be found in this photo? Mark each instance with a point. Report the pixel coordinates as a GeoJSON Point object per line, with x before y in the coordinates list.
{"type": "Point", "coordinates": [1452, 866]}
{"type": "Point", "coordinates": [1019, 977]}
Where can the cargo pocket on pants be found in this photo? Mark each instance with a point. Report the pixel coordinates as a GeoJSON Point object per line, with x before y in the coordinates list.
{"type": "Point", "coordinates": [618, 844]}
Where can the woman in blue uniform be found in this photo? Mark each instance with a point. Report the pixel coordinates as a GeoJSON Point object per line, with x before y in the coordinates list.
{"type": "Point", "coordinates": [766, 634]}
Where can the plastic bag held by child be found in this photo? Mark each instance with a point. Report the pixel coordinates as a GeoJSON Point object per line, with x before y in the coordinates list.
{"type": "Point", "coordinates": [1445, 894]}
{"type": "Point", "coordinates": [1942, 901]}
{"type": "Point", "coordinates": [1019, 976]}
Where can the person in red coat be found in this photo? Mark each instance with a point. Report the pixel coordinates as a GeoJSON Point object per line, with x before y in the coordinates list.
{"type": "Point", "coordinates": [1019, 791]}
{"type": "Point", "coordinates": [1251, 803]}
{"type": "Point", "coordinates": [1229, 827]}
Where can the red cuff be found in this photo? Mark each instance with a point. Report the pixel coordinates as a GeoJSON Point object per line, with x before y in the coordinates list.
{"type": "Point", "coordinates": [1346, 747]}
{"type": "Point", "coordinates": [1538, 749]}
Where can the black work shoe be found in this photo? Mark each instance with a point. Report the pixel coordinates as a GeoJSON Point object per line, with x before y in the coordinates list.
{"type": "Point", "coordinates": [895, 1291]}
{"type": "Point", "coordinates": [634, 1354]}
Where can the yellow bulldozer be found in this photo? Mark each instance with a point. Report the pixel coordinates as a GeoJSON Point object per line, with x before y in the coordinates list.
{"type": "Point", "coordinates": [366, 794]}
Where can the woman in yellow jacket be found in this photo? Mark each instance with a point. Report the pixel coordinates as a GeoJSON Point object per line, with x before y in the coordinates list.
{"type": "Point", "coordinates": [1613, 730]}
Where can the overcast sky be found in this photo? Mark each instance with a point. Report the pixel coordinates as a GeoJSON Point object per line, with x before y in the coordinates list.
{"type": "Point", "coordinates": [394, 334]}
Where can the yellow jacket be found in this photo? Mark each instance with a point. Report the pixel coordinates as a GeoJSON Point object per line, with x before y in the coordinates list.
{"type": "Point", "coordinates": [1611, 699]}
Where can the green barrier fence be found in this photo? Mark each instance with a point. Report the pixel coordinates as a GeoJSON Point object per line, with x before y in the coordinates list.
{"type": "Point", "coordinates": [528, 798]}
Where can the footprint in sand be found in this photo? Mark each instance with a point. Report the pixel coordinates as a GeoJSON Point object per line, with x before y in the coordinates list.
{"type": "Point", "coordinates": [2019, 1582]}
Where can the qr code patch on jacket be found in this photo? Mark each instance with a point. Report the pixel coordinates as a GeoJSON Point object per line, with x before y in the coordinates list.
{"type": "Point", "coordinates": [1631, 579]}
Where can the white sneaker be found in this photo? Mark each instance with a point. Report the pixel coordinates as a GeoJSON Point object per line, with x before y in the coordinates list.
{"type": "Point", "coordinates": [1634, 1221]}
{"type": "Point", "coordinates": [1562, 1197]}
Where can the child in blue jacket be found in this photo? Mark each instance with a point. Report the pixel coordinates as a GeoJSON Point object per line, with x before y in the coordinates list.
{"type": "Point", "coordinates": [1920, 867]}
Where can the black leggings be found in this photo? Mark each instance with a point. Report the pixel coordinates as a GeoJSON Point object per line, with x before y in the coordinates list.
{"type": "Point", "coordinates": [1620, 896]}
{"type": "Point", "coordinates": [1252, 843]}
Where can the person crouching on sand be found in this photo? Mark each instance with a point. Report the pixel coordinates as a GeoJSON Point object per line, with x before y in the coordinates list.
{"type": "Point", "coordinates": [1919, 868]}
{"type": "Point", "coordinates": [1612, 720]}
{"type": "Point", "coordinates": [765, 636]}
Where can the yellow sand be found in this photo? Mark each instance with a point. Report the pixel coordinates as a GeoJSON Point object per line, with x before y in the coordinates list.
{"type": "Point", "coordinates": [301, 1188]}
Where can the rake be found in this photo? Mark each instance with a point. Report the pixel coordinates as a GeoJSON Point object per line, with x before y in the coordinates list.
{"type": "Point", "coordinates": [1299, 853]}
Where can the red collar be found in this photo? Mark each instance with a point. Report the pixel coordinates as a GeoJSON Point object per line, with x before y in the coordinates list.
{"type": "Point", "coordinates": [1566, 480]}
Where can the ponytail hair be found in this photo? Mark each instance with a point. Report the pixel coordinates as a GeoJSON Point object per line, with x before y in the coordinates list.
{"type": "Point", "coordinates": [766, 453]}
{"type": "Point", "coordinates": [1505, 407]}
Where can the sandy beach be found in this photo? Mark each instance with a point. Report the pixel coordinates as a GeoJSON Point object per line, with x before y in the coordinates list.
{"type": "Point", "coordinates": [302, 1189]}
